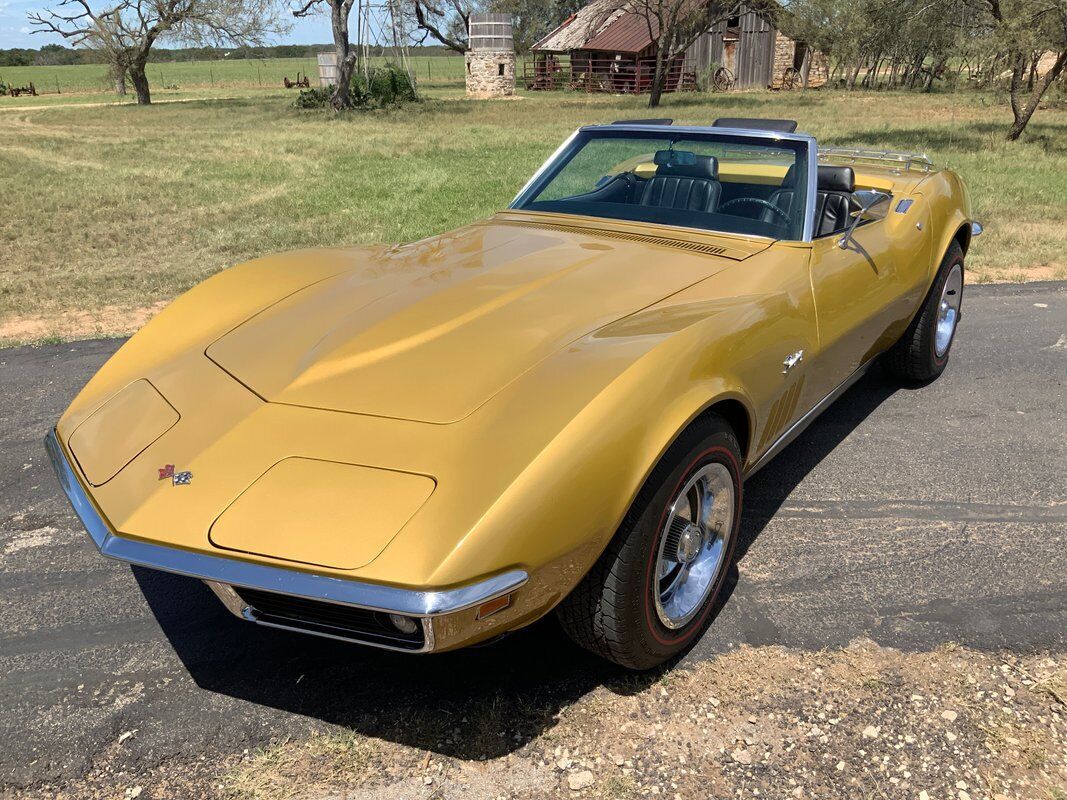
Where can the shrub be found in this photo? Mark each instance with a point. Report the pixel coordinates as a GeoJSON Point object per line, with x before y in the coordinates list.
{"type": "Point", "coordinates": [388, 85]}
{"type": "Point", "coordinates": [314, 98]}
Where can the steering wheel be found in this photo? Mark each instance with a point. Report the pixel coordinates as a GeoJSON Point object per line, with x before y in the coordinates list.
{"type": "Point", "coordinates": [760, 202]}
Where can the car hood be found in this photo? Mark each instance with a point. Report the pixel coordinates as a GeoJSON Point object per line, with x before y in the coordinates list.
{"type": "Point", "coordinates": [430, 331]}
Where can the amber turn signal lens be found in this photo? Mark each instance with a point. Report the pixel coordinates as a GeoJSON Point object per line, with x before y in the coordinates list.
{"type": "Point", "coordinates": [491, 607]}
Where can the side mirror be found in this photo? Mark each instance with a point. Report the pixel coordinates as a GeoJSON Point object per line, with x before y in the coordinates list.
{"type": "Point", "coordinates": [873, 205]}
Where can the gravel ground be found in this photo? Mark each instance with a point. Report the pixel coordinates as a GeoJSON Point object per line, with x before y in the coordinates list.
{"type": "Point", "coordinates": [859, 722]}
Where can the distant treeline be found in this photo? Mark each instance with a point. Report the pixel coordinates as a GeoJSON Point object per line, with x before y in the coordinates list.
{"type": "Point", "coordinates": [56, 54]}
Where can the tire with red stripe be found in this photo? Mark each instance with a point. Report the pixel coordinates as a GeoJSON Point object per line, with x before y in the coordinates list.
{"type": "Point", "coordinates": [613, 611]}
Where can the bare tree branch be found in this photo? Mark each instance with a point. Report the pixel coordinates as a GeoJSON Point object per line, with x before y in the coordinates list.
{"type": "Point", "coordinates": [305, 9]}
{"type": "Point", "coordinates": [433, 28]}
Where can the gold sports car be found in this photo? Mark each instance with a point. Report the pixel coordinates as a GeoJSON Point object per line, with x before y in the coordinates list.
{"type": "Point", "coordinates": [424, 446]}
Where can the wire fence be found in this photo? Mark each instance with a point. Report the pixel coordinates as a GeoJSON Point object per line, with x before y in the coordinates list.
{"type": "Point", "coordinates": [223, 73]}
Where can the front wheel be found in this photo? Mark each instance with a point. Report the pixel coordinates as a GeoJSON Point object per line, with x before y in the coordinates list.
{"type": "Point", "coordinates": [651, 593]}
{"type": "Point", "coordinates": [921, 354]}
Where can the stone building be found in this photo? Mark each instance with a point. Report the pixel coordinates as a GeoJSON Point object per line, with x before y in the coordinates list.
{"type": "Point", "coordinates": [796, 66]}
{"type": "Point", "coordinates": [490, 61]}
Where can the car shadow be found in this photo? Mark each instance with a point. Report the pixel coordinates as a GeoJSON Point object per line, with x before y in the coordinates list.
{"type": "Point", "coordinates": [768, 489]}
{"type": "Point", "coordinates": [473, 704]}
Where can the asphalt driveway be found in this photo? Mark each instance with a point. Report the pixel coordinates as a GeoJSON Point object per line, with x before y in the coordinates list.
{"type": "Point", "coordinates": [915, 517]}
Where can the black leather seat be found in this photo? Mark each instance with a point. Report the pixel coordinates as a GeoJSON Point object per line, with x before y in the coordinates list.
{"type": "Point", "coordinates": [687, 187]}
{"type": "Point", "coordinates": [833, 199]}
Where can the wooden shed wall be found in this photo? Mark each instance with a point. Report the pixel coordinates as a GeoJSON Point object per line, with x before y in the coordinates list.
{"type": "Point", "coordinates": [706, 50]}
{"type": "Point", "coordinates": [755, 52]}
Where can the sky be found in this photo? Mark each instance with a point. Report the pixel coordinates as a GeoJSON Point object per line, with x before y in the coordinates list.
{"type": "Point", "coordinates": [15, 27]}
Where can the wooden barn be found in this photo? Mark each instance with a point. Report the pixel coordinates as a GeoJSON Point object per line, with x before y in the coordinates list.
{"type": "Point", "coordinates": [749, 51]}
{"type": "Point", "coordinates": [607, 47]}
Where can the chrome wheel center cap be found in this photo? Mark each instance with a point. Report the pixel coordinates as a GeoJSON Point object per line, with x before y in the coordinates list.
{"type": "Point", "coordinates": [689, 543]}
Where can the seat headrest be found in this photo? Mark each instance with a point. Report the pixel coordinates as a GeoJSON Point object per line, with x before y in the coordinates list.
{"type": "Point", "coordinates": [831, 179]}
{"type": "Point", "coordinates": [837, 179]}
{"type": "Point", "coordinates": [706, 167]}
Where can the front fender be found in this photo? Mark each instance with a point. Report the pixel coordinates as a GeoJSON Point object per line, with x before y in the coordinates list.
{"type": "Point", "coordinates": [590, 424]}
{"type": "Point", "coordinates": [185, 328]}
{"type": "Point", "coordinates": [950, 214]}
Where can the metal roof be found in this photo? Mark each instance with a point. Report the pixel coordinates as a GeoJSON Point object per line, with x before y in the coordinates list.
{"type": "Point", "coordinates": [626, 33]}
{"type": "Point", "coordinates": [579, 28]}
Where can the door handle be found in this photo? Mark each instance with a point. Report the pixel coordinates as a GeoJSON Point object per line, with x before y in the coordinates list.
{"type": "Point", "coordinates": [792, 361]}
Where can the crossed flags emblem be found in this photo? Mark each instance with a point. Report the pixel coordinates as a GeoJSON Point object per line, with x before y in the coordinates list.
{"type": "Point", "coordinates": [176, 478]}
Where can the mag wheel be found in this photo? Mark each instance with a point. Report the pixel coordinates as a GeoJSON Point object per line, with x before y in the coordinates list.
{"type": "Point", "coordinates": [692, 545]}
{"type": "Point", "coordinates": [651, 593]}
{"type": "Point", "coordinates": [922, 352]}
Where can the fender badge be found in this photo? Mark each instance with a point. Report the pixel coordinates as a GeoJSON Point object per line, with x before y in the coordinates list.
{"type": "Point", "coordinates": [176, 478]}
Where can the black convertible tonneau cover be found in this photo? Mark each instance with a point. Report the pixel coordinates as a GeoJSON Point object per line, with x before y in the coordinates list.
{"type": "Point", "coordinates": [756, 124]}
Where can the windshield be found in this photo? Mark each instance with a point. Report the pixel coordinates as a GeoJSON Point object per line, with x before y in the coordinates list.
{"type": "Point", "coordinates": [718, 182]}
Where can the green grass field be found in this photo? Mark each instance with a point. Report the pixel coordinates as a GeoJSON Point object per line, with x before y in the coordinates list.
{"type": "Point", "coordinates": [110, 209]}
{"type": "Point", "coordinates": [264, 73]}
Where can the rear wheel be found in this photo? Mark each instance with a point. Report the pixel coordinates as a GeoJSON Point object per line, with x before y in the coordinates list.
{"type": "Point", "coordinates": [922, 352]}
{"type": "Point", "coordinates": [651, 593]}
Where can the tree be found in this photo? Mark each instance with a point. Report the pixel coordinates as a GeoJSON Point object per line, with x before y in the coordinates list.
{"type": "Point", "coordinates": [1026, 30]}
{"type": "Point", "coordinates": [340, 10]}
{"type": "Point", "coordinates": [126, 30]}
{"type": "Point", "coordinates": [445, 20]}
{"type": "Point", "coordinates": [674, 25]}
{"type": "Point", "coordinates": [534, 19]}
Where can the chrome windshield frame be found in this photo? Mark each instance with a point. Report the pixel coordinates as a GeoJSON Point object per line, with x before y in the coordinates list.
{"type": "Point", "coordinates": [537, 181]}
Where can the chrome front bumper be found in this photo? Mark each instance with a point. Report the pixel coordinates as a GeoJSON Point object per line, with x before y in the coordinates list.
{"type": "Point", "coordinates": [222, 573]}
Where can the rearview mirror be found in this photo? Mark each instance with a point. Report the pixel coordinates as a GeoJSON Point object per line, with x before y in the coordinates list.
{"type": "Point", "coordinates": [874, 205]}
{"type": "Point", "coordinates": [674, 158]}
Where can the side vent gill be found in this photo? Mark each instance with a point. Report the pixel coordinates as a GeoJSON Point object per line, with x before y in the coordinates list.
{"type": "Point", "coordinates": [662, 241]}
{"type": "Point", "coordinates": [781, 413]}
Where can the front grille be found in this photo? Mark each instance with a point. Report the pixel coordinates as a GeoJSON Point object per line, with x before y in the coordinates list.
{"type": "Point", "coordinates": [329, 619]}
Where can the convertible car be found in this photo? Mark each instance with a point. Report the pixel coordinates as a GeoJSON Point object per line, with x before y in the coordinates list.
{"type": "Point", "coordinates": [425, 446]}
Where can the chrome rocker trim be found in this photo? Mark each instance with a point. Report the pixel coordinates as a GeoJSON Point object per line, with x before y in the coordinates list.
{"type": "Point", "coordinates": [231, 572]}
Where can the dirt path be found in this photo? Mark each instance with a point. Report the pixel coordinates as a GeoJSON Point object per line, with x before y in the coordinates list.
{"type": "Point", "coordinates": [117, 103]}
{"type": "Point", "coordinates": [69, 325]}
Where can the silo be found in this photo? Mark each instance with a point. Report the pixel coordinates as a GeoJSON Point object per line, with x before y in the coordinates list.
{"type": "Point", "coordinates": [491, 57]}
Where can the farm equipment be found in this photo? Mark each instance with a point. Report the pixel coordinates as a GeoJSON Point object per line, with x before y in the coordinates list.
{"type": "Point", "coordinates": [299, 83]}
{"type": "Point", "coordinates": [15, 91]}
